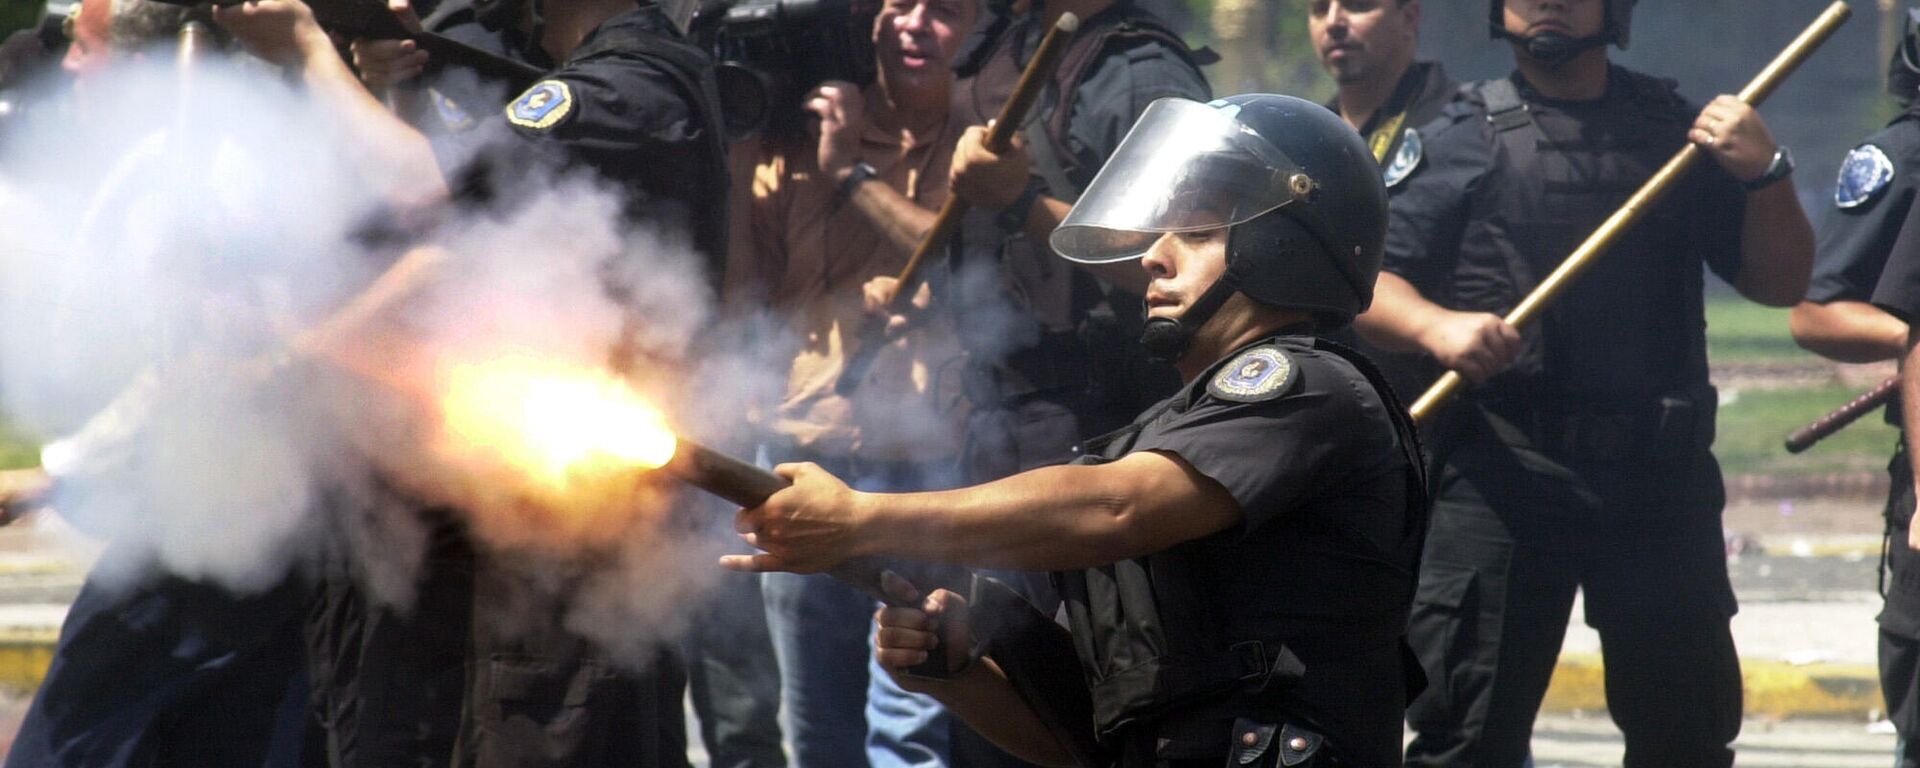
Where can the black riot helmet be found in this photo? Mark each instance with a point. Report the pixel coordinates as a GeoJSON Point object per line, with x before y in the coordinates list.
{"type": "Point", "coordinates": [1555, 48]}
{"type": "Point", "coordinates": [1903, 72]}
{"type": "Point", "coordinates": [1298, 187]}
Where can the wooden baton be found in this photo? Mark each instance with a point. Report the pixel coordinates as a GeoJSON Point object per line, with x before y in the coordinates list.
{"type": "Point", "coordinates": [1804, 437]}
{"type": "Point", "coordinates": [1033, 80]}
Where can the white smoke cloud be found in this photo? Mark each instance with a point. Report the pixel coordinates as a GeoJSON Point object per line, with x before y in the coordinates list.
{"type": "Point", "coordinates": [154, 267]}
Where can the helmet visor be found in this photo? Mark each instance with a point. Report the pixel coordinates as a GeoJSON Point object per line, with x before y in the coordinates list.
{"type": "Point", "coordinates": [1184, 167]}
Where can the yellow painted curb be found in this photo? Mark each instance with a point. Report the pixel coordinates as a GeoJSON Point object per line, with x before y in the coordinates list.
{"type": "Point", "coordinates": [24, 661]}
{"type": "Point", "coordinates": [1773, 688]}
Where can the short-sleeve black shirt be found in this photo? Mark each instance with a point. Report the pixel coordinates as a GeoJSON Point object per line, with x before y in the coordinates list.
{"type": "Point", "coordinates": [1858, 229]}
{"type": "Point", "coordinates": [618, 108]}
{"type": "Point", "coordinates": [1322, 561]}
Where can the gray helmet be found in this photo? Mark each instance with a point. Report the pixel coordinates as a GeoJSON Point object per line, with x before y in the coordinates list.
{"type": "Point", "coordinates": [1618, 30]}
{"type": "Point", "coordinates": [1296, 184]}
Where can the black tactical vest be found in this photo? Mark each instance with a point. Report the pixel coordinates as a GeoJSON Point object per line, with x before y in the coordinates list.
{"type": "Point", "coordinates": [1160, 640]}
{"type": "Point", "coordinates": [1631, 328]}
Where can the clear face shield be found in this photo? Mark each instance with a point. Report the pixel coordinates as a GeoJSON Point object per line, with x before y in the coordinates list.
{"type": "Point", "coordinates": [1184, 167]}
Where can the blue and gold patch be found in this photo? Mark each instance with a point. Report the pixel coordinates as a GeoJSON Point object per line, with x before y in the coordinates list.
{"type": "Point", "coordinates": [1865, 174]}
{"type": "Point", "coordinates": [543, 106]}
{"type": "Point", "coordinates": [452, 115]}
{"type": "Point", "coordinates": [1412, 151]}
{"type": "Point", "coordinates": [1261, 373]}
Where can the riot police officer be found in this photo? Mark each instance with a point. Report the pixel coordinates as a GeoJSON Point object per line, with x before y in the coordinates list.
{"type": "Point", "coordinates": [1582, 459]}
{"type": "Point", "coordinates": [491, 674]}
{"type": "Point", "coordinates": [1871, 201]}
{"type": "Point", "coordinates": [1237, 564]}
{"type": "Point", "coordinates": [1368, 46]}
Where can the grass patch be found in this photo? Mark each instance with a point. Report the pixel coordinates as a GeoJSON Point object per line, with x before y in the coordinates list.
{"type": "Point", "coordinates": [1742, 331]}
{"type": "Point", "coordinates": [1753, 427]}
{"type": "Point", "coordinates": [17, 449]}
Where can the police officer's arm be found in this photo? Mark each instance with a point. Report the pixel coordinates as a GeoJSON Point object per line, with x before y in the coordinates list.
{"type": "Point", "coordinates": [284, 32]}
{"type": "Point", "coordinates": [981, 694]}
{"type": "Point", "coordinates": [1848, 331]}
{"type": "Point", "coordinates": [1776, 240]}
{"type": "Point", "coordinates": [1910, 415]}
{"type": "Point", "coordinates": [1477, 344]}
{"type": "Point", "coordinates": [1048, 519]}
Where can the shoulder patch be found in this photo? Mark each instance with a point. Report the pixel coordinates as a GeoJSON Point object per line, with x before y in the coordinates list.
{"type": "Point", "coordinates": [452, 115]}
{"type": "Point", "coordinates": [1865, 174]}
{"type": "Point", "coordinates": [1412, 151]}
{"type": "Point", "coordinates": [1261, 373]}
{"type": "Point", "coordinates": [545, 105]}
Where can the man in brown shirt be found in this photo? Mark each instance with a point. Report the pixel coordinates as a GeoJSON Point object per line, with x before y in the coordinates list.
{"type": "Point", "coordinates": [829, 211]}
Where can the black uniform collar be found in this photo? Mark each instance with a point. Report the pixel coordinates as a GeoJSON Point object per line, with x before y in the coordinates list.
{"type": "Point", "coordinates": [1418, 83]}
{"type": "Point", "coordinates": [1192, 390]}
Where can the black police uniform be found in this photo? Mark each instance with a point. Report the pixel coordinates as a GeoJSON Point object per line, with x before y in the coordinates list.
{"type": "Point", "coordinates": [1898, 292]}
{"type": "Point", "coordinates": [1393, 134]}
{"type": "Point", "coordinates": [1289, 626]}
{"type": "Point", "coordinates": [1871, 202]}
{"type": "Point", "coordinates": [444, 684]}
{"type": "Point", "coordinates": [1068, 368]}
{"type": "Point", "coordinates": [1587, 463]}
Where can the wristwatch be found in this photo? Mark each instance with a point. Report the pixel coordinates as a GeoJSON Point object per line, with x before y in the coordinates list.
{"type": "Point", "coordinates": [1780, 168]}
{"type": "Point", "coordinates": [861, 172]}
{"type": "Point", "coordinates": [1013, 218]}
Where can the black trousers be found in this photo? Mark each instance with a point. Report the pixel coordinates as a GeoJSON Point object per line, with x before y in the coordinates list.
{"type": "Point", "coordinates": [1504, 557]}
{"type": "Point", "coordinates": [1900, 617]}
{"type": "Point", "coordinates": [172, 672]}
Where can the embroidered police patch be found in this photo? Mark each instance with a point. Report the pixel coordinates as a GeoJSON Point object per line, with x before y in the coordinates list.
{"type": "Point", "coordinates": [1863, 176]}
{"type": "Point", "coordinates": [1261, 373]}
{"type": "Point", "coordinates": [451, 114]}
{"type": "Point", "coordinates": [543, 106]}
{"type": "Point", "coordinates": [1412, 151]}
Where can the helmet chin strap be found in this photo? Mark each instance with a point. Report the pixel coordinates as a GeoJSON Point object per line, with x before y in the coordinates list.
{"type": "Point", "coordinates": [1555, 49]}
{"type": "Point", "coordinates": [1167, 338]}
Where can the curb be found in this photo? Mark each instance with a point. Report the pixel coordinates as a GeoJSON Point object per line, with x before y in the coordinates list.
{"type": "Point", "coordinates": [1774, 689]}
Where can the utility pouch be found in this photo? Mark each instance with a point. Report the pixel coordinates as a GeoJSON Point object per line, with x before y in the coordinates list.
{"type": "Point", "coordinates": [1684, 425]}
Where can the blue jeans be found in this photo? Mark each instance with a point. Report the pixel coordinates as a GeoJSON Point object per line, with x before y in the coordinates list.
{"type": "Point", "coordinates": [843, 710]}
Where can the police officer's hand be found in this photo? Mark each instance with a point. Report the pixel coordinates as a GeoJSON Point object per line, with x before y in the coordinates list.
{"type": "Point", "coordinates": [987, 179]}
{"type": "Point", "coordinates": [1733, 133]}
{"type": "Point", "coordinates": [808, 527]}
{"type": "Point", "coordinates": [383, 64]}
{"type": "Point", "coordinates": [1477, 344]}
{"type": "Point", "coordinates": [905, 637]}
{"type": "Point", "coordinates": [1913, 537]}
{"type": "Point", "coordinates": [878, 295]}
{"type": "Point", "coordinates": [283, 32]}
{"type": "Point", "coordinates": [842, 114]}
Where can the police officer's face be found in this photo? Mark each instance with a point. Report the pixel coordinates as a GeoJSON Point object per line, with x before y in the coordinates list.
{"type": "Point", "coordinates": [921, 37]}
{"type": "Point", "coordinates": [1360, 39]}
{"type": "Point", "coordinates": [1573, 18]}
{"type": "Point", "coordinates": [1182, 265]}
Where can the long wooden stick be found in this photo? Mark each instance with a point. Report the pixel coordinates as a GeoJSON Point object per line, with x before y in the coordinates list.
{"type": "Point", "coordinates": [1804, 437]}
{"type": "Point", "coordinates": [1650, 193]}
{"type": "Point", "coordinates": [1033, 81]}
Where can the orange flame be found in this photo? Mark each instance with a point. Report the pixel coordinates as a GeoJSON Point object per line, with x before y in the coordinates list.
{"type": "Point", "coordinates": [562, 426]}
